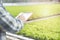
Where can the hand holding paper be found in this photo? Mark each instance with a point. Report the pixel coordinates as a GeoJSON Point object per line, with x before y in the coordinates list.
{"type": "Point", "coordinates": [24, 16]}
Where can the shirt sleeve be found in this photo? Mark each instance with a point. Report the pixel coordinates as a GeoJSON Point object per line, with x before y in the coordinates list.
{"type": "Point", "coordinates": [14, 24]}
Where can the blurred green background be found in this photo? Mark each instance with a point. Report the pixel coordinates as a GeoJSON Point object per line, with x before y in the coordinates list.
{"type": "Point", "coordinates": [38, 10]}
{"type": "Point", "coordinates": [48, 29]}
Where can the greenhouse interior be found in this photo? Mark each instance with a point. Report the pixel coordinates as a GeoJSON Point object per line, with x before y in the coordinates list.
{"type": "Point", "coordinates": [30, 20]}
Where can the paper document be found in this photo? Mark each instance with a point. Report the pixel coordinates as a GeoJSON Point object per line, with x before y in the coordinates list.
{"type": "Point", "coordinates": [24, 16]}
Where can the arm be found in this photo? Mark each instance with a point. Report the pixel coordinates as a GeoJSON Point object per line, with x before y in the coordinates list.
{"type": "Point", "coordinates": [8, 22]}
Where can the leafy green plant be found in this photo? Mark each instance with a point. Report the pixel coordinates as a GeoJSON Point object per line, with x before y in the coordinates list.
{"type": "Point", "coordinates": [47, 29]}
{"type": "Point", "coordinates": [38, 10]}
